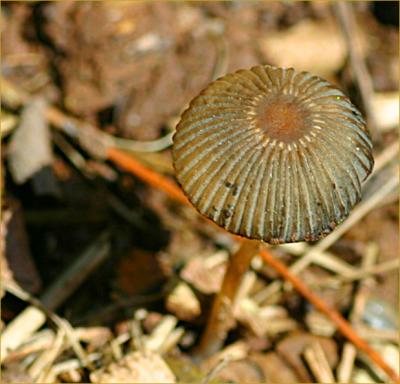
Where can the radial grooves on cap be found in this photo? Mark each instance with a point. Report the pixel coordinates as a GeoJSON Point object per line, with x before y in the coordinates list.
{"type": "Point", "coordinates": [259, 184]}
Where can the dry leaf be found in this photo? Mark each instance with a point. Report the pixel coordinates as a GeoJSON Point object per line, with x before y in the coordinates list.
{"type": "Point", "coordinates": [30, 146]}
{"type": "Point", "coordinates": [183, 303]}
{"type": "Point", "coordinates": [304, 46]}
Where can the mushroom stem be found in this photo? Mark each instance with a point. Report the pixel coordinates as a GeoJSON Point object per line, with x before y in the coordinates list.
{"type": "Point", "coordinates": [220, 319]}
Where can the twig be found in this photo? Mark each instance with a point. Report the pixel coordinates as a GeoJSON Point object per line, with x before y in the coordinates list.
{"type": "Point", "coordinates": [43, 363]}
{"type": "Point", "coordinates": [318, 363]}
{"type": "Point", "coordinates": [346, 364]}
{"type": "Point", "coordinates": [363, 79]}
{"type": "Point", "coordinates": [39, 341]}
{"type": "Point", "coordinates": [73, 340]}
{"type": "Point", "coordinates": [152, 178]}
{"type": "Point", "coordinates": [215, 370]}
{"type": "Point", "coordinates": [72, 364]}
{"type": "Point", "coordinates": [66, 284]}
{"type": "Point", "coordinates": [384, 267]}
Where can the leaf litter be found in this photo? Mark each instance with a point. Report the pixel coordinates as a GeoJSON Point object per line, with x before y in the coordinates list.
{"type": "Point", "coordinates": [135, 298]}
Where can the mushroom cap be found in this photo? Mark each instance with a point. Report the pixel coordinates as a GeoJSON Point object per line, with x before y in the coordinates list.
{"type": "Point", "coordinates": [273, 154]}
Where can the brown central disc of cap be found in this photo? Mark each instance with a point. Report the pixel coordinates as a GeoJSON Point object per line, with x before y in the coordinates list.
{"type": "Point", "coordinates": [281, 118]}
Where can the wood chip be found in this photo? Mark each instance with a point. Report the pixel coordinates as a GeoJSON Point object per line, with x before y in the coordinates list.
{"type": "Point", "coordinates": [136, 367]}
{"type": "Point", "coordinates": [206, 273]}
{"type": "Point", "coordinates": [183, 303]}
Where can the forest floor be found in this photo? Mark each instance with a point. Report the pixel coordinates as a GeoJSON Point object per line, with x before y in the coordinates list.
{"type": "Point", "coordinates": [108, 278]}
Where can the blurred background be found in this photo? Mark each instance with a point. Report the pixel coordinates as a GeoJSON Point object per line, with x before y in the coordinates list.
{"type": "Point", "coordinates": [116, 258]}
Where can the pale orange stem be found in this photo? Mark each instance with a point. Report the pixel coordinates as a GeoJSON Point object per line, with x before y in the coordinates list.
{"type": "Point", "coordinates": [221, 316]}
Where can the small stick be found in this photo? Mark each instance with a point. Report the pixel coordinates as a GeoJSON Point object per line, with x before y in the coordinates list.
{"type": "Point", "coordinates": [152, 178]}
{"type": "Point", "coordinates": [318, 363]}
{"type": "Point", "coordinates": [220, 318]}
{"type": "Point", "coordinates": [66, 284]}
{"type": "Point", "coordinates": [43, 363]}
{"type": "Point", "coordinates": [363, 79]}
{"type": "Point", "coordinates": [215, 370]}
{"type": "Point", "coordinates": [373, 334]}
{"type": "Point", "coordinates": [72, 364]}
{"type": "Point", "coordinates": [346, 364]}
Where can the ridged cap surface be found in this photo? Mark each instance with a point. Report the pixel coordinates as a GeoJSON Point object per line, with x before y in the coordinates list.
{"type": "Point", "coordinates": [273, 154]}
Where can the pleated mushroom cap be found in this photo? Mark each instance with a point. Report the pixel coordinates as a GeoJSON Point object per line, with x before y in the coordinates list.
{"type": "Point", "coordinates": [273, 154]}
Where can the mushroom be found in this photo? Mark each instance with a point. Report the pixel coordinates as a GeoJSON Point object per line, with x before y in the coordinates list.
{"type": "Point", "coordinates": [270, 154]}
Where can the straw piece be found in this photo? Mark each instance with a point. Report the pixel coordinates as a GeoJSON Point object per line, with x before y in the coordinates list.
{"type": "Point", "coordinates": [318, 363]}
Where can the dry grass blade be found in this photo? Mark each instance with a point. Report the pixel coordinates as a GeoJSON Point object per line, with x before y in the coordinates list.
{"type": "Point", "coordinates": [39, 369]}
{"type": "Point", "coordinates": [346, 364]}
{"type": "Point", "coordinates": [215, 370]}
{"type": "Point", "coordinates": [318, 363]}
{"type": "Point", "coordinates": [363, 79]}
